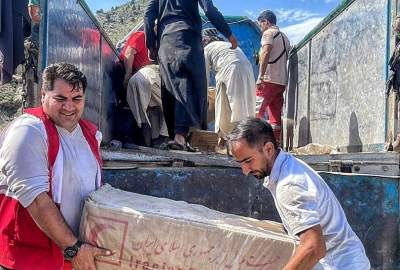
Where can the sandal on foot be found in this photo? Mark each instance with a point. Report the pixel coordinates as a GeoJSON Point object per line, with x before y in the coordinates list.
{"type": "Point", "coordinates": [173, 145]}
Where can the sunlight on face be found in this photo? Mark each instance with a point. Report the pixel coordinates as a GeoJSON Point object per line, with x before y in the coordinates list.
{"type": "Point", "coordinates": [252, 160]}
{"type": "Point", "coordinates": [64, 105]}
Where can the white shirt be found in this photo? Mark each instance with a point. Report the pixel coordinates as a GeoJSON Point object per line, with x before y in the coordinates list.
{"type": "Point", "coordinates": [304, 200]}
{"type": "Point", "coordinates": [24, 170]}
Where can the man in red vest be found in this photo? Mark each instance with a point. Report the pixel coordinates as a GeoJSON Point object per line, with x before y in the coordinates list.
{"type": "Point", "coordinates": [49, 162]}
{"type": "Point", "coordinates": [134, 55]}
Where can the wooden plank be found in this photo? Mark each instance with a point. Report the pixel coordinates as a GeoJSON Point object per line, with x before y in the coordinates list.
{"type": "Point", "coordinates": [146, 154]}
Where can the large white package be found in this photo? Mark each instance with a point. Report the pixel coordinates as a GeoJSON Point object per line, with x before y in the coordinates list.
{"type": "Point", "coordinates": [155, 233]}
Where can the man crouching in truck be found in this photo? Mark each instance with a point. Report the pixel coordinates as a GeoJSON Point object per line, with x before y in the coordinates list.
{"type": "Point", "coordinates": [307, 206]}
{"type": "Point", "coordinates": [49, 162]}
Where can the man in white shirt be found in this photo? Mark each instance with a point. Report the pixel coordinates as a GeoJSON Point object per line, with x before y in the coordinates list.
{"type": "Point", "coordinates": [49, 162]}
{"type": "Point", "coordinates": [273, 75]}
{"type": "Point", "coordinates": [307, 206]}
{"type": "Point", "coordinates": [235, 98]}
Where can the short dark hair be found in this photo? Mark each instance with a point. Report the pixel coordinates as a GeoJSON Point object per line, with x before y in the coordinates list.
{"type": "Point", "coordinates": [267, 15]}
{"type": "Point", "coordinates": [210, 35]}
{"type": "Point", "coordinates": [64, 71]}
{"type": "Point", "coordinates": [256, 132]}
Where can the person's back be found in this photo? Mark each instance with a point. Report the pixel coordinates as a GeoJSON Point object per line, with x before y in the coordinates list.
{"type": "Point", "coordinates": [235, 84]}
{"type": "Point", "coordinates": [134, 53]}
{"type": "Point", "coordinates": [184, 11]}
{"type": "Point", "coordinates": [222, 56]}
{"type": "Point", "coordinates": [291, 179]}
{"type": "Point", "coordinates": [178, 15]}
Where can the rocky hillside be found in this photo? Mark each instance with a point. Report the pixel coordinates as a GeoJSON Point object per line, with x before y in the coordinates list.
{"type": "Point", "coordinates": [10, 102]}
{"type": "Point", "coordinates": [11, 98]}
{"type": "Point", "coordinates": [120, 20]}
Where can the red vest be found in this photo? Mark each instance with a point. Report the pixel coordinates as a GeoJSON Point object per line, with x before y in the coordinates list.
{"type": "Point", "coordinates": [23, 246]}
{"type": "Point", "coordinates": [136, 41]}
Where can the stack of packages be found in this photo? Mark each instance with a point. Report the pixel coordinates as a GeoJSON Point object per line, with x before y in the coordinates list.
{"type": "Point", "coordinates": [155, 233]}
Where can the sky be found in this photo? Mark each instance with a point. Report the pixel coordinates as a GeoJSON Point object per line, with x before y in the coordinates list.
{"type": "Point", "coordinates": [295, 17]}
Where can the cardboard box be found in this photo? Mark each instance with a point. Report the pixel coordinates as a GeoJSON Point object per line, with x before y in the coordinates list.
{"type": "Point", "coordinates": [155, 233]}
{"type": "Point", "coordinates": [204, 140]}
{"type": "Point", "coordinates": [211, 104]}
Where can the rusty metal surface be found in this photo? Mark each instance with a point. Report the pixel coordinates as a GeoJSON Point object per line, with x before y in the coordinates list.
{"type": "Point", "coordinates": [371, 203]}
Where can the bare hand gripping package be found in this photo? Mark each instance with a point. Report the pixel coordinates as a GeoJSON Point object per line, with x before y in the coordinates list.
{"type": "Point", "coordinates": [155, 233]}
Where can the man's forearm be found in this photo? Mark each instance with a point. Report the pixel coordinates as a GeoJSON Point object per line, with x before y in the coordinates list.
{"type": "Point", "coordinates": [264, 58]}
{"type": "Point", "coordinates": [312, 248]}
{"type": "Point", "coordinates": [303, 259]}
{"type": "Point", "coordinates": [49, 219]}
{"type": "Point", "coordinates": [128, 61]}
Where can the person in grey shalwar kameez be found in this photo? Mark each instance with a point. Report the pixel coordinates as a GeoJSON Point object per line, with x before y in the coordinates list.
{"type": "Point", "coordinates": [178, 43]}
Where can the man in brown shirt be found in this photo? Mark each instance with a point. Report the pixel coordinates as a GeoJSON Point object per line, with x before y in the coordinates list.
{"type": "Point", "coordinates": [272, 78]}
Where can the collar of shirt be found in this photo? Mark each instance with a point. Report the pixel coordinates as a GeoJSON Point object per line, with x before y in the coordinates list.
{"type": "Point", "coordinates": [273, 27]}
{"type": "Point", "coordinates": [63, 131]}
{"type": "Point", "coordinates": [276, 169]}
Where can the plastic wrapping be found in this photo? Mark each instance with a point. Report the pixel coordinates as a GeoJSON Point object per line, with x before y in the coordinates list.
{"type": "Point", "coordinates": [156, 233]}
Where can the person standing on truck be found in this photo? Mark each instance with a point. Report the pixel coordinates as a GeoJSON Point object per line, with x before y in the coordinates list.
{"type": "Point", "coordinates": [34, 13]}
{"type": "Point", "coordinates": [49, 162]}
{"type": "Point", "coordinates": [235, 97]}
{"type": "Point", "coordinates": [273, 74]}
{"type": "Point", "coordinates": [393, 83]}
{"type": "Point", "coordinates": [14, 28]}
{"type": "Point", "coordinates": [143, 89]}
{"type": "Point", "coordinates": [31, 45]}
{"type": "Point", "coordinates": [307, 206]}
{"type": "Point", "coordinates": [181, 57]}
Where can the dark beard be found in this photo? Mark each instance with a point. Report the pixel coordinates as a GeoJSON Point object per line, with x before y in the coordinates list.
{"type": "Point", "coordinates": [260, 174]}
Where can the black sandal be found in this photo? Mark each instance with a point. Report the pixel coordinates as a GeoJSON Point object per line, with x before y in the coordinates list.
{"type": "Point", "coordinates": [173, 145]}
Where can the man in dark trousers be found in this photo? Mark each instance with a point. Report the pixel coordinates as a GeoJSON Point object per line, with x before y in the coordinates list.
{"type": "Point", "coordinates": [14, 28]}
{"type": "Point", "coordinates": [178, 43]}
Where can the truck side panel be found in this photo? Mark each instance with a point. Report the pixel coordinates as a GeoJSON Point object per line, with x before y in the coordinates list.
{"type": "Point", "coordinates": [346, 88]}
{"type": "Point", "coordinates": [74, 36]}
{"type": "Point", "coordinates": [371, 203]}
